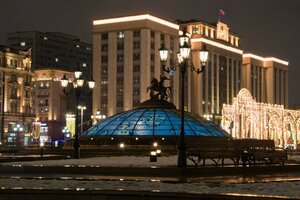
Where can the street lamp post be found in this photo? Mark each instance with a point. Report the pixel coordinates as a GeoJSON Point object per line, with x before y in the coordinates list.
{"type": "Point", "coordinates": [78, 84]}
{"type": "Point", "coordinates": [81, 108]}
{"type": "Point", "coordinates": [66, 133]}
{"type": "Point", "coordinates": [183, 64]}
{"type": "Point", "coordinates": [18, 129]}
{"type": "Point", "coordinates": [96, 118]}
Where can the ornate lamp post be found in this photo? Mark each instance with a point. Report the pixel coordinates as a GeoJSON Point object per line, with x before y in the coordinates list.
{"type": "Point", "coordinates": [66, 133]}
{"type": "Point", "coordinates": [183, 63]}
{"type": "Point", "coordinates": [78, 84]}
{"type": "Point", "coordinates": [96, 118]}
{"type": "Point", "coordinates": [81, 108]}
{"type": "Point", "coordinates": [18, 130]}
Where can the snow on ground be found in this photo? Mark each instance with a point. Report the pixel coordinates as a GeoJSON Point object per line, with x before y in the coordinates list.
{"type": "Point", "coordinates": [290, 189]}
{"type": "Point", "coordinates": [122, 161]}
{"type": "Point", "coordinates": [278, 188]}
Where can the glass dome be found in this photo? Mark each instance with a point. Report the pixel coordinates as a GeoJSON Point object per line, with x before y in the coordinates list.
{"type": "Point", "coordinates": [154, 121]}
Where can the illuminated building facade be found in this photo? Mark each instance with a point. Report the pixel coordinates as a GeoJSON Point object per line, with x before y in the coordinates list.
{"type": "Point", "coordinates": [126, 59]}
{"type": "Point", "coordinates": [50, 104]}
{"type": "Point", "coordinates": [266, 78]}
{"type": "Point", "coordinates": [56, 50]}
{"type": "Point", "coordinates": [222, 78]}
{"type": "Point", "coordinates": [15, 100]}
{"type": "Point", "coordinates": [246, 118]}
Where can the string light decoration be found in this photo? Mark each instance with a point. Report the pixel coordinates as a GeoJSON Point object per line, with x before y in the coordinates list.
{"type": "Point", "coordinates": [246, 118]}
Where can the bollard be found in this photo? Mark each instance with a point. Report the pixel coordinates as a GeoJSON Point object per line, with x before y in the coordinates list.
{"type": "Point", "coordinates": [42, 149]}
{"type": "Point", "coordinates": [153, 156]}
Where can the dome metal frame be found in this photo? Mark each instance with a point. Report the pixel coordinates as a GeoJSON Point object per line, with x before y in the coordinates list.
{"type": "Point", "coordinates": [154, 118]}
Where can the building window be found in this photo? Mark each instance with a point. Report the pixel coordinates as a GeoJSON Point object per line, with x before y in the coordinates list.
{"type": "Point", "coordinates": [136, 102]}
{"type": "Point", "coordinates": [120, 34]}
{"type": "Point", "coordinates": [14, 107]}
{"type": "Point", "coordinates": [136, 33]}
{"type": "Point", "coordinates": [136, 56]}
{"type": "Point", "coordinates": [120, 81]}
{"type": "Point", "coordinates": [152, 45]}
{"type": "Point", "coordinates": [104, 36]}
{"type": "Point", "coordinates": [104, 47]}
{"type": "Point", "coordinates": [152, 57]}
{"type": "Point", "coordinates": [195, 30]}
{"type": "Point", "coordinates": [56, 59]}
{"type": "Point", "coordinates": [136, 45]}
{"type": "Point", "coordinates": [104, 70]}
{"type": "Point", "coordinates": [119, 104]}
{"type": "Point", "coordinates": [84, 65]}
{"type": "Point", "coordinates": [136, 79]}
{"type": "Point", "coordinates": [136, 91]}
{"type": "Point", "coordinates": [120, 58]}
{"type": "Point", "coordinates": [152, 34]}
{"type": "Point", "coordinates": [162, 38]}
{"type": "Point", "coordinates": [120, 69]}
{"type": "Point", "coordinates": [22, 44]}
{"type": "Point", "coordinates": [104, 59]}
{"type": "Point", "coordinates": [136, 68]}
{"type": "Point", "coordinates": [120, 46]}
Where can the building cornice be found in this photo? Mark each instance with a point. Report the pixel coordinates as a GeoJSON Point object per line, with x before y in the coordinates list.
{"type": "Point", "coordinates": [136, 18]}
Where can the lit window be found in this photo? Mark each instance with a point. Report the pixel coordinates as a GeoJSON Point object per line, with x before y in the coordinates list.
{"type": "Point", "coordinates": [45, 38]}
{"type": "Point", "coordinates": [23, 44]}
{"type": "Point", "coordinates": [120, 34]}
{"type": "Point", "coordinates": [195, 29]}
{"type": "Point", "coordinates": [56, 59]}
{"type": "Point", "coordinates": [47, 84]}
{"type": "Point", "coordinates": [78, 46]}
{"type": "Point", "coordinates": [41, 84]}
{"type": "Point", "coordinates": [84, 64]}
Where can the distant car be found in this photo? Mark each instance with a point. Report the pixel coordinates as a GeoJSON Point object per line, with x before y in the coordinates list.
{"type": "Point", "coordinates": [289, 147]}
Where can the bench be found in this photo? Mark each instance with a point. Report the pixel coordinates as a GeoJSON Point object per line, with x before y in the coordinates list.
{"type": "Point", "coordinates": [254, 150]}
{"type": "Point", "coordinates": [215, 149]}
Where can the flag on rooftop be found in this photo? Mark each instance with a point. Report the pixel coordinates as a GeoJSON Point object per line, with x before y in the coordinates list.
{"type": "Point", "coordinates": [221, 12]}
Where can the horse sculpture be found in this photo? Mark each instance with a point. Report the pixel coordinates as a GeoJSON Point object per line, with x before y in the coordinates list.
{"type": "Point", "coordinates": [158, 90]}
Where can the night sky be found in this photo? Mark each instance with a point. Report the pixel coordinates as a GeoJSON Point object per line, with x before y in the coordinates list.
{"type": "Point", "coordinates": [266, 27]}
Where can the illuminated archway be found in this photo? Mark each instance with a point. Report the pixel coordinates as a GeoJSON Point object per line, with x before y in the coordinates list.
{"type": "Point", "coordinates": [261, 120]}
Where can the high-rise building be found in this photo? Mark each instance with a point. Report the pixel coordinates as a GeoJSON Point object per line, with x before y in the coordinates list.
{"type": "Point", "coordinates": [59, 51]}
{"type": "Point", "coordinates": [126, 58]}
{"type": "Point", "coordinates": [16, 102]}
{"type": "Point", "coordinates": [53, 50]}
{"type": "Point", "coordinates": [266, 78]}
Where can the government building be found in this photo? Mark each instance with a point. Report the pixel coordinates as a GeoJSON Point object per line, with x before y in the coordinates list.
{"type": "Point", "coordinates": [126, 58]}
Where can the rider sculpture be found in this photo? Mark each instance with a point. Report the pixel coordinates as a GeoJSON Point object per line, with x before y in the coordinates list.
{"type": "Point", "coordinates": [158, 90]}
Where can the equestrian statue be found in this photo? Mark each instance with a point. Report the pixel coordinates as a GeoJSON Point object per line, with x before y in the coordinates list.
{"type": "Point", "coordinates": [158, 90]}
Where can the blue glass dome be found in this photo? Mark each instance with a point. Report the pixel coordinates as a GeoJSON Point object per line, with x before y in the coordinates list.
{"type": "Point", "coordinates": [154, 121]}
